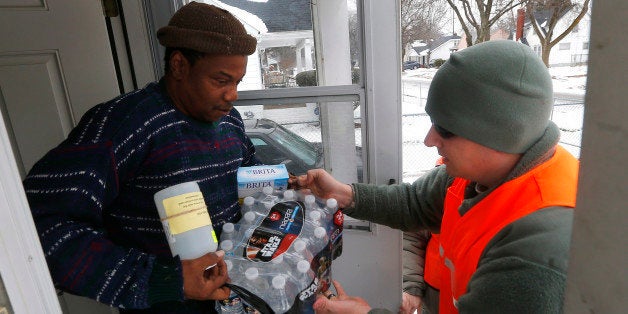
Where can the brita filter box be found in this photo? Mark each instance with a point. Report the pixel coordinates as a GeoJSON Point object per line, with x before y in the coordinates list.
{"type": "Point", "coordinates": [253, 179]}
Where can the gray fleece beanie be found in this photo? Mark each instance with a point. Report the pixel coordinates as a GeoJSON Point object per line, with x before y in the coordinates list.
{"type": "Point", "coordinates": [206, 28]}
{"type": "Point", "coordinates": [497, 94]}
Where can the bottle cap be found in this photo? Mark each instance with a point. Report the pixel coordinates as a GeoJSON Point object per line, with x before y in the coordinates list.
{"type": "Point", "coordinates": [279, 282]}
{"type": "Point", "coordinates": [320, 232]}
{"type": "Point", "coordinates": [315, 216]}
{"type": "Point", "coordinates": [268, 190]}
{"type": "Point", "coordinates": [226, 245]}
{"type": "Point", "coordinates": [228, 227]}
{"type": "Point", "coordinates": [249, 200]}
{"type": "Point", "coordinates": [288, 195]}
{"type": "Point", "coordinates": [249, 217]}
{"type": "Point", "coordinates": [310, 199]}
{"type": "Point", "coordinates": [299, 245]}
{"type": "Point", "coordinates": [251, 273]}
{"type": "Point", "coordinates": [278, 259]}
{"type": "Point", "coordinates": [303, 266]}
{"type": "Point", "coordinates": [331, 203]}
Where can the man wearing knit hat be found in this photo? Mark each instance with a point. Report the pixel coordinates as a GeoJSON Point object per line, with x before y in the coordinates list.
{"type": "Point", "coordinates": [502, 203]}
{"type": "Point", "coordinates": [92, 196]}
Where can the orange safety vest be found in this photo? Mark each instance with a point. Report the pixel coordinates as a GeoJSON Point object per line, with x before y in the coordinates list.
{"type": "Point", "coordinates": [433, 262]}
{"type": "Point", "coordinates": [463, 239]}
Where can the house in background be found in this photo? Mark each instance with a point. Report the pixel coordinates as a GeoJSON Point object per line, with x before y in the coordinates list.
{"type": "Point", "coordinates": [496, 34]}
{"type": "Point", "coordinates": [443, 47]}
{"type": "Point", "coordinates": [571, 50]}
{"type": "Point", "coordinates": [426, 53]}
{"type": "Point", "coordinates": [255, 27]}
{"type": "Point", "coordinates": [287, 47]}
{"type": "Point", "coordinates": [417, 51]}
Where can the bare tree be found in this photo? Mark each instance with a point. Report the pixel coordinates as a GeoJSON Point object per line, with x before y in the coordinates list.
{"type": "Point", "coordinates": [476, 17]}
{"type": "Point", "coordinates": [421, 20]}
{"type": "Point", "coordinates": [557, 10]}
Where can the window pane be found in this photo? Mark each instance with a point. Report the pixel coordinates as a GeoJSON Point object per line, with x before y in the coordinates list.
{"type": "Point", "coordinates": [286, 52]}
{"type": "Point", "coordinates": [291, 133]}
{"type": "Point", "coordinates": [567, 68]}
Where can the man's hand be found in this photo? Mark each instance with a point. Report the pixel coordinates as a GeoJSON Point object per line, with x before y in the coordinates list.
{"type": "Point", "coordinates": [204, 277]}
{"type": "Point", "coordinates": [323, 185]}
{"type": "Point", "coordinates": [409, 304]}
{"type": "Point", "coordinates": [342, 303]}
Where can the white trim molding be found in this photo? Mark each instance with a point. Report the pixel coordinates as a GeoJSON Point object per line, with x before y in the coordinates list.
{"type": "Point", "coordinates": [22, 264]}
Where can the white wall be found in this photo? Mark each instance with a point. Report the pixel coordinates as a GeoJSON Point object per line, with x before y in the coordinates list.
{"type": "Point", "coordinates": [443, 51]}
{"type": "Point", "coordinates": [597, 281]}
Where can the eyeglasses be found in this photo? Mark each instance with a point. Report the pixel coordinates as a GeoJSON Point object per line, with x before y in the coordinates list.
{"type": "Point", "coordinates": [444, 133]}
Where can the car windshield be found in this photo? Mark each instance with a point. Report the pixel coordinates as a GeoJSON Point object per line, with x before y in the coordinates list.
{"type": "Point", "coordinates": [296, 144]}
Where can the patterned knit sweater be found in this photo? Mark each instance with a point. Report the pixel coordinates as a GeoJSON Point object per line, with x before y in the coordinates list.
{"type": "Point", "coordinates": [92, 196]}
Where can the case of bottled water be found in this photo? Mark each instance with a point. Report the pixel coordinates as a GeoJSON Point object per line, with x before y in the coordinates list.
{"type": "Point", "coordinates": [281, 250]}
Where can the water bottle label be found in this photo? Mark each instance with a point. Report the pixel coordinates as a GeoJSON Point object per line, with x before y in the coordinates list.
{"type": "Point", "coordinates": [186, 212]}
{"type": "Point", "coordinates": [230, 305]}
{"type": "Point", "coordinates": [277, 231]}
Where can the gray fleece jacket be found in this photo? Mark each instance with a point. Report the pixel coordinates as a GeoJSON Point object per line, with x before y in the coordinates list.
{"type": "Point", "coordinates": [522, 269]}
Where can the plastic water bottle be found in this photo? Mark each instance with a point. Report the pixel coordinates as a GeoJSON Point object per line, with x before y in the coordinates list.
{"type": "Point", "coordinates": [228, 231]}
{"type": "Point", "coordinates": [248, 203]}
{"type": "Point", "coordinates": [227, 246]}
{"type": "Point", "coordinates": [246, 227]}
{"type": "Point", "coordinates": [279, 298]}
{"type": "Point", "coordinates": [269, 197]}
{"type": "Point", "coordinates": [316, 218]}
{"type": "Point", "coordinates": [277, 265]}
{"type": "Point", "coordinates": [233, 304]}
{"type": "Point", "coordinates": [301, 251]}
{"type": "Point", "coordinates": [309, 201]}
{"type": "Point", "coordinates": [257, 284]}
{"type": "Point", "coordinates": [311, 206]}
{"type": "Point", "coordinates": [319, 240]}
{"type": "Point", "coordinates": [331, 206]}
{"type": "Point", "coordinates": [304, 273]}
{"type": "Point", "coordinates": [186, 220]}
{"type": "Point", "coordinates": [288, 195]}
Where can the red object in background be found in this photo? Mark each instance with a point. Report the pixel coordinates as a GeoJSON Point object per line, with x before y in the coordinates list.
{"type": "Point", "coordinates": [439, 161]}
{"type": "Point", "coordinates": [521, 17]}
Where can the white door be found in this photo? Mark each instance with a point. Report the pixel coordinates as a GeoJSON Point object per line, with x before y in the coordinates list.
{"type": "Point", "coordinates": [55, 64]}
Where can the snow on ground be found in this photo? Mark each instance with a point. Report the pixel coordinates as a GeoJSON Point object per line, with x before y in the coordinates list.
{"type": "Point", "coordinates": [566, 79]}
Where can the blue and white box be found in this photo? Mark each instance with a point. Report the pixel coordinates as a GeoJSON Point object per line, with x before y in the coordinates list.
{"type": "Point", "coordinates": [253, 179]}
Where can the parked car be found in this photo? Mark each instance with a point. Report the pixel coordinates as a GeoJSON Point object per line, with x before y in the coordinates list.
{"type": "Point", "coordinates": [411, 65]}
{"type": "Point", "coordinates": [275, 144]}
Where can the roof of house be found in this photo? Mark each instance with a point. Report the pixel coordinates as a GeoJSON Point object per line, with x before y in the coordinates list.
{"type": "Point", "coordinates": [279, 16]}
{"type": "Point", "coordinates": [542, 17]}
{"type": "Point", "coordinates": [420, 49]}
{"type": "Point", "coordinates": [441, 40]}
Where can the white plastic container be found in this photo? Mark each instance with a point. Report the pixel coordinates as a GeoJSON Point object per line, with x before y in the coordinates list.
{"type": "Point", "coordinates": [186, 220]}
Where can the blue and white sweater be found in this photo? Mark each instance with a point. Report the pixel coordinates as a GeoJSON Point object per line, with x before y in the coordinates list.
{"type": "Point", "coordinates": [92, 196]}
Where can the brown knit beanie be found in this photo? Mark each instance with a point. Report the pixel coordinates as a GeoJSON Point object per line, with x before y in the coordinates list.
{"type": "Point", "coordinates": [206, 28]}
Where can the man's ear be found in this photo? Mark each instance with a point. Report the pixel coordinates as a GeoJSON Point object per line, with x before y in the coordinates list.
{"type": "Point", "coordinates": [179, 65]}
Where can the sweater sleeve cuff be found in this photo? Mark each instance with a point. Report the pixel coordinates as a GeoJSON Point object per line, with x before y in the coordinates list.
{"type": "Point", "coordinates": [166, 281]}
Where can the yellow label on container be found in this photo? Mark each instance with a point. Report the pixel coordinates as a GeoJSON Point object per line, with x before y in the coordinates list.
{"type": "Point", "coordinates": [186, 212]}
